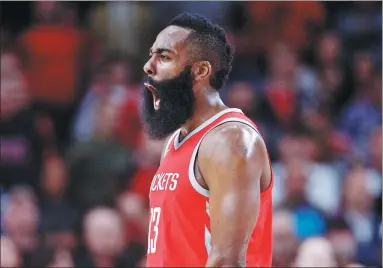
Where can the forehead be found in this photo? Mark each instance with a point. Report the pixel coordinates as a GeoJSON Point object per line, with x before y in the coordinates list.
{"type": "Point", "coordinates": [172, 38]}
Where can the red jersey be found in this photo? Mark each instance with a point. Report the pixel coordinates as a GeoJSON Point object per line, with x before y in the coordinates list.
{"type": "Point", "coordinates": [179, 228]}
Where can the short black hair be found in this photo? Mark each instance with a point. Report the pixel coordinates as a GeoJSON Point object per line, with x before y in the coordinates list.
{"type": "Point", "coordinates": [209, 42]}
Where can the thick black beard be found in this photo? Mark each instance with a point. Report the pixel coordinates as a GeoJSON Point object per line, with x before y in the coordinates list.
{"type": "Point", "coordinates": [177, 104]}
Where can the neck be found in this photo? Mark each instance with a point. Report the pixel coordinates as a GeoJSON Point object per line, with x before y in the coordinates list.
{"type": "Point", "coordinates": [210, 104]}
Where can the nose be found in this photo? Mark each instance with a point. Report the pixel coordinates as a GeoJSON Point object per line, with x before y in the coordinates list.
{"type": "Point", "coordinates": [149, 68]}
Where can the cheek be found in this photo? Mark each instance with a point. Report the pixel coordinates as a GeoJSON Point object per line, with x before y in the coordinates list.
{"type": "Point", "coordinates": [166, 70]}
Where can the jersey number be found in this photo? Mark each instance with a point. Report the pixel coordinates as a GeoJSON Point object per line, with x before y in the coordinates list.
{"type": "Point", "coordinates": [155, 214]}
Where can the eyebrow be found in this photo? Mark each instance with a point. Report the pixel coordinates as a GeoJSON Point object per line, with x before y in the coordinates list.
{"type": "Point", "coordinates": [160, 50]}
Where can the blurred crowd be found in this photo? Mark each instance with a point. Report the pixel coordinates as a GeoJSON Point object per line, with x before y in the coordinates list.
{"type": "Point", "coordinates": [76, 164]}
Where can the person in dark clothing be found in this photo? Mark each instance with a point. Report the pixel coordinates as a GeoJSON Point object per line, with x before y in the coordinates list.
{"type": "Point", "coordinates": [25, 135]}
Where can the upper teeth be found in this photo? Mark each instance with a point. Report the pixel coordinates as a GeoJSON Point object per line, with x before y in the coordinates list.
{"type": "Point", "coordinates": [157, 104]}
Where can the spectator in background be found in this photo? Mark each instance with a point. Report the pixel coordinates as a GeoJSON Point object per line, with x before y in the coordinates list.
{"type": "Point", "coordinates": [86, 116]}
{"type": "Point", "coordinates": [25, 134]}
{"type": "Point", "coordinates": [104, 241]}
{"type": "Point", "coordinates": [278, 101]}
{"type": "Point", "coordinates": [290, 87]}
{"type": "Point", "coordinates": [13, 83]}
{"type": "Point", "coordinates": [374, 154]}
{"type": "Point", "coordinates": [315, 252]}
{"type": "Point", "coordinates": [97, 173]}
{"type": "Point", "coordinates": [322, 185]}
{"type": "Point", "coordinates": [57, 53]}
{"type": "Point", "coordinates": [334, 77]}
{"type": "Point", "coordinates": [358, 212]}
{"type": "Point", "coordinates": [126, 96]}
{"type": "Point", "coordinates": [281, 90]}
{"type": "Point", "coordinates": [9, 253]}
{"type": "Point", "coordinates": [289, 149]}
{"type": "Point", "coordinates": [361, 27]}
{"type": "Point", "coordinates": [21, 220]}
{"type": "Point", "coordinates": [343, 242]}
{"type": "Point", "coordinates": [363, 69]}
{"type": "Point", "coordinates": [362, 115]}
{"type": "Point", "coordinates": [332, 144]}
{"type": "Point", "coordinates": [110, 108]}
{"type": "Point", "coordinates": [374, 165]}
{"type": "Point", "coordinates": [285, 243]}
{"type": "Point", "coordinates": [57, 217]}
{"type": "Point", "coordinates": [310, 221]}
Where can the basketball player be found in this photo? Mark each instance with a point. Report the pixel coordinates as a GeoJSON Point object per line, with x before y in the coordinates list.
{"type": "Point", "coordinates": [210, 200]}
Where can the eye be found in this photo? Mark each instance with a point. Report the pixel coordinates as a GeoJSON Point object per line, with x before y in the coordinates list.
{"type": "Point", "coordinates": [164, 57]}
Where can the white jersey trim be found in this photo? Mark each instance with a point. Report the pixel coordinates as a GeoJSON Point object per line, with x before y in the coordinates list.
{"type": "Point", "coordinates": [192, 178]}
{"type": "Point", "coordinates": [207, 233]}
{"type": "Point", "coordinates": [177, 143]}
{"type": "Point", "coordinates": [168, 145]}
{"type": "Point", "coordinates": [207, 241]}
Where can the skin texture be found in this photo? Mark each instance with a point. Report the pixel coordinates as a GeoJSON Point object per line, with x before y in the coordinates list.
{"type": "Point", "coordinates": [235, 189]}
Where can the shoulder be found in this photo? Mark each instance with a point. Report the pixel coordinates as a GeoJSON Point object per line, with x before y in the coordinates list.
{"type": "Point", "coordinates": [232, 140]}
{"type": "Point", "coordinates": [232, 153]}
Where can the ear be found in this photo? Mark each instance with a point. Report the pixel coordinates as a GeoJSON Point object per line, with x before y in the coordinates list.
{"type": "Point", "coordinates": [201, 70]}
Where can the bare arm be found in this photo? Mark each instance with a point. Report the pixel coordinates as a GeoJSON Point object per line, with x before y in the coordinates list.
{"type": "Point", "coordinates": [231, 161]}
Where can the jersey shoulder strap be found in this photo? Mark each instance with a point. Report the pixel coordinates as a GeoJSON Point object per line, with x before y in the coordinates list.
{"type": "Point", "coordinates": [236, 116]}
{"type": "Point", "coordinates": [168, 143]}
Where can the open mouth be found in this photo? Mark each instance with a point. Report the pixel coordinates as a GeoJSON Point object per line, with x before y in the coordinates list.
{"type": "Point", "coordinates": [154, 91]}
